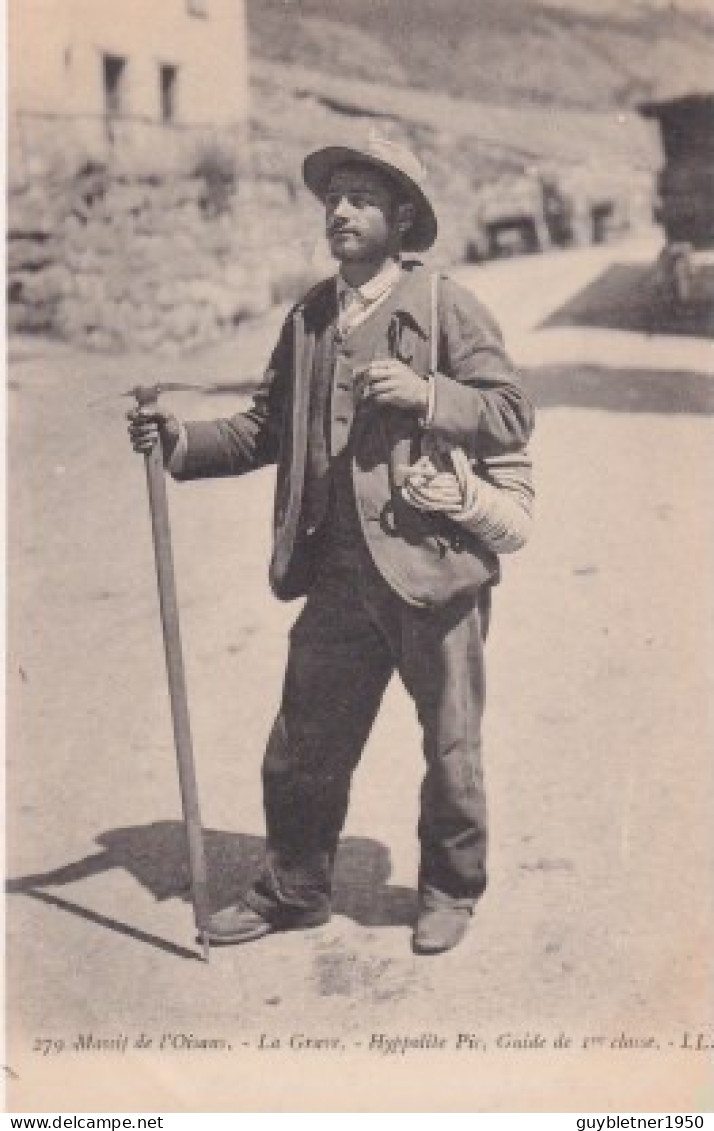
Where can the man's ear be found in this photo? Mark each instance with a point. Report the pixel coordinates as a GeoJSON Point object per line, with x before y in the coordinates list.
{"type": "Point", "coordinates": [405, 217]}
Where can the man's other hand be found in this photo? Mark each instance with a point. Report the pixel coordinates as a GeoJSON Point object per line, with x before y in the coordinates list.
{"type": "Point", "coordinates": [389, 381]}
{"type": "Point", "coordinates": [148, 427]}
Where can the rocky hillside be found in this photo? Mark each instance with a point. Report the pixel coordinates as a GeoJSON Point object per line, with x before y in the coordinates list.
{"type": "Point", "coordinates": [593, 54]}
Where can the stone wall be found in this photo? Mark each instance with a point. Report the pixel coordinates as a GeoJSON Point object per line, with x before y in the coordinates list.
{"type": "Point", "coordinates": [117, 256]}
{"type": "Point", "coordinates": [153, 264]}
{"type": "Point", "coordinates": [113, 257]}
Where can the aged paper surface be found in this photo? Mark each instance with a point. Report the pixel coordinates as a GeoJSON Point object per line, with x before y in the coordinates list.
{"type": "Point", "coordinates": [585, 982]}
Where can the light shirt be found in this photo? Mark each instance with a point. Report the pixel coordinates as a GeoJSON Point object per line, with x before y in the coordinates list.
{"type": "Point", "coordinates": [355, 304]}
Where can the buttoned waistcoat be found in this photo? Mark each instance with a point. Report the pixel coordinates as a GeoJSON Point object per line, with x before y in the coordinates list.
{"type": "Point", "coordinates": [479, 403]}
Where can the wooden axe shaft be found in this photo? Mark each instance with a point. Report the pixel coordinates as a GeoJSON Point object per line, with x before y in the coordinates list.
{"type": "Point", "coordinates": [165, 577]}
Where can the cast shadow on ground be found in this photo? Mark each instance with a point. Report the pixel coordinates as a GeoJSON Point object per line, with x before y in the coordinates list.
{"type": "Point", "coordinates": [155, 855]}
{"type": "Point", "coordinates": [671, 392]}
{"type": "Point", "coordinates": [632, 296]}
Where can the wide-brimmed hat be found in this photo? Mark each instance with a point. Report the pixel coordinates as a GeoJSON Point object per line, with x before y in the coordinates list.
{"type": "Point", "coordinates": [390, 157]}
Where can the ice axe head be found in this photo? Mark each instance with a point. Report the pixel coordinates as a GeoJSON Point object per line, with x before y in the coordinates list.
{"type": "Point", "coordinates": [145, 395]}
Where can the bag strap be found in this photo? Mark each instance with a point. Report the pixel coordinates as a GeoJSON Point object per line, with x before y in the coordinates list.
{"type": "Point", "coordinates": [434, 324]}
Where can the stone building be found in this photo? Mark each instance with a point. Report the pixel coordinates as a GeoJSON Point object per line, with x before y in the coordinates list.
{"type": "Point", "coordinates": [126, 83]}
{"type": "Point", "coordinates": [128, 135]}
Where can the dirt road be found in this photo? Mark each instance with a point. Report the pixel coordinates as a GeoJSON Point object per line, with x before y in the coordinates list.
{"type": "Point", "coordinates": [598, 922]}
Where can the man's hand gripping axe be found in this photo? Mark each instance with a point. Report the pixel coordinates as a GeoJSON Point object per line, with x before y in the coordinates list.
{"type": "Point", "coordinates": [147, 397]}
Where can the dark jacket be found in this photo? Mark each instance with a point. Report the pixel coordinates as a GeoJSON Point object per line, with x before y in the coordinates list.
{"type": "Point", "coordinates": [479, 404]}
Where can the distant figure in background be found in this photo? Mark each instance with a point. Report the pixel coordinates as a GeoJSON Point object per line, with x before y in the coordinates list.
{"type": "Point", "coordinates": [396, 551]}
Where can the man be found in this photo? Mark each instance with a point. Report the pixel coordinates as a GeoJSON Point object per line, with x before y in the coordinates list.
{"type": "Point", "coordinates": [346, 401]}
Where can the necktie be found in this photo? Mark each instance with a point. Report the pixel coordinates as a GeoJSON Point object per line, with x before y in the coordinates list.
{"type": "Point", "coordinates": [351, 307]}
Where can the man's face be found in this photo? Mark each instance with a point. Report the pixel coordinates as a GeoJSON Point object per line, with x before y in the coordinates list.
{"type": "Point", "coordinates": [361, 215]}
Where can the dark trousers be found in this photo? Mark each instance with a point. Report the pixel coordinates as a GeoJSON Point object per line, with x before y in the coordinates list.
{"type": "Point", "coordinates": [352, 633]}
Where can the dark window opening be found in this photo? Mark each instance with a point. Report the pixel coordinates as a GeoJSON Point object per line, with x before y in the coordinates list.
{"type": "Point", "coordinates": [114, 79]}
{"type": "Point", "coordinates": [197, 7]}
{"type": "Point", "coordinates": [168, 77]}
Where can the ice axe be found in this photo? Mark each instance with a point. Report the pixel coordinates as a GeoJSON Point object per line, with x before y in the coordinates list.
{"type": "Point", "coordinates": [147, 396]}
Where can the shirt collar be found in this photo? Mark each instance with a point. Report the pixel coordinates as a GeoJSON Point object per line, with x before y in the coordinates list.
{"type": "Point", "coordinates": [375, 288]}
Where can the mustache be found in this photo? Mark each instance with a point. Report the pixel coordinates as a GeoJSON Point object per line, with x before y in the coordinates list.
{"type": "Point", "coordinates": [337, 229]}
